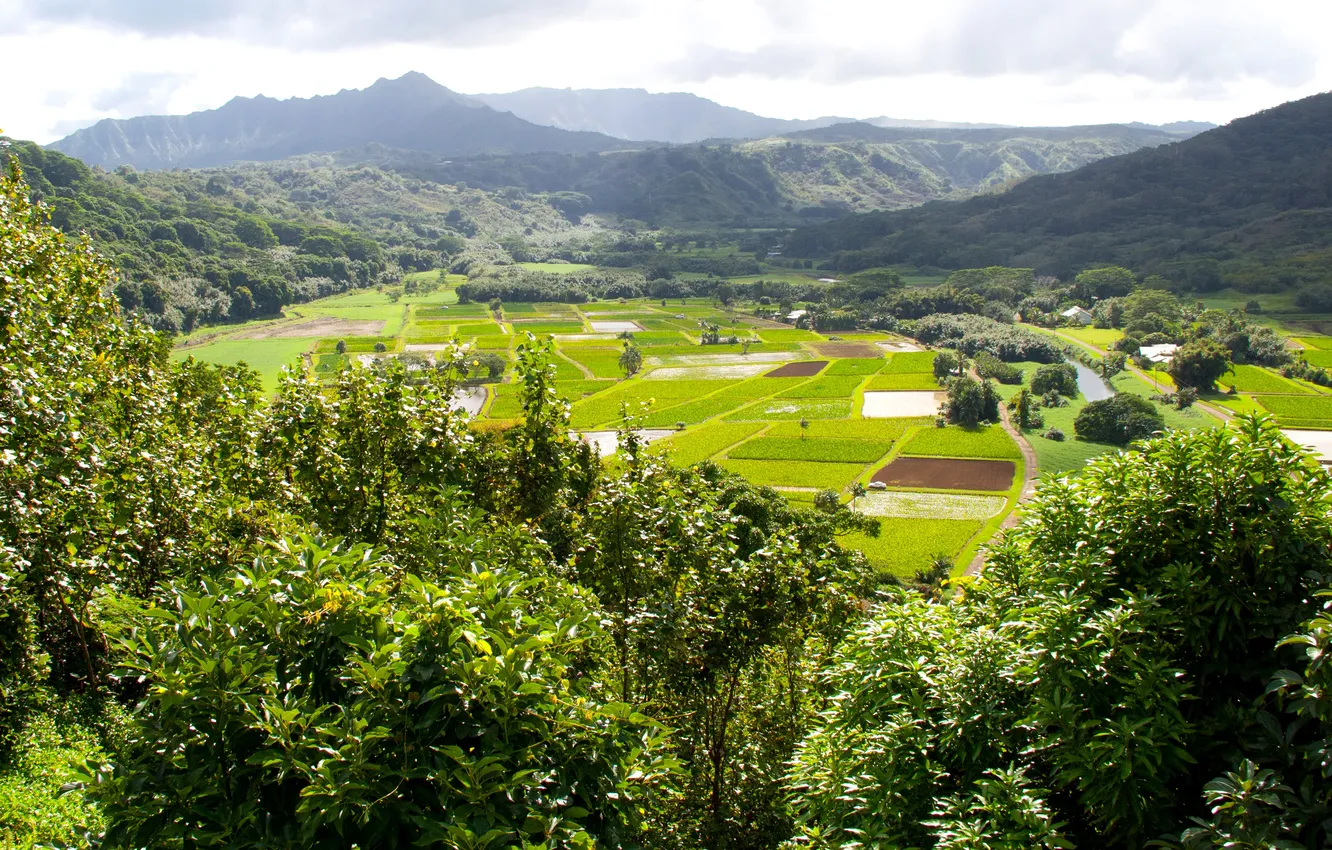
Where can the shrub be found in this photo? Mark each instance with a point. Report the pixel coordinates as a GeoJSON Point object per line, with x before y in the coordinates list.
{"type": "Point", "coordinates": [1061, 378]}
{"type": "Point", "coordinates": [322, 697]}
{"type": "Point", "coordinates": [1199, 364]}
{"type": "Point", "coordinates": [974, 334]}
{"type": "Point", "coordinates": [1119, 420]}
{"type": "Point", "coordinates": [989, 366]}
{"type": "Point", "coordinates": [971, 402]}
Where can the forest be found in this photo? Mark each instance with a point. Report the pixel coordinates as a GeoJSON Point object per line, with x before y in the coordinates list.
{"type": "Point", "coordinates": [349, 615]}
{"type": "Point", "coordinates": [1244, 206]}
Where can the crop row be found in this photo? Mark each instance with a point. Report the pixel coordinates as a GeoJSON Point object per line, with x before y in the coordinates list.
{"type": "Point", "coordinates": [843, 387]}
{"type": "Point", "coordinates": [910, 361]}
{"type": "Point", "coordinates": [781, 473]}
{"type": "Point", "coordinates": [794, 409]}
{"type": "Point", "coordinates": [867, 366]}
{"type": "Point", "coordinates": [907, 545]}
{"type": "Point", "coordinates": [694, 445]}
{"type": "Point", "coordinates": [954, 441]}
{"type": "Point", "coordinates": [813, 449]}
{"type": "Point", "coordinates": [903, 381]}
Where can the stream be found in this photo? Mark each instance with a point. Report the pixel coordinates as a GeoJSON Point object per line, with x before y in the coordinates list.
{"type": "Point", "coordinates": [1092, 386]}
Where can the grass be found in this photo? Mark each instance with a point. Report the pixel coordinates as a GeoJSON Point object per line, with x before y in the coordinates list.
{"type": "Point", "coordinates": [792, 335]}
{"type": "Point", "coordinates": [910, 361]}
{"type": "Point", "coordinates": [1295, 410]}
{"type": "Point", "coordinates": [816, 449]}
{"type": "Point", "coordinates": [1318, 343]}
{"type": "Point", "coordinates": [824, 388]}
{"type": "Point", "coordinates": [907, 545]}
{"type": "Point", "coordinates": [494, 342]}
{"type": "Point", "coordinates": [1318, 357]}
{"type": "Point", "coordinates": [663, 395]}
{"type": "Point", "coordinates": [854, 367]}
{"type": "Point", "coordinates": [886, 430]}
{"type": "Point", "coordinates": [904, 381]}
{"type": "Point", "coordinates": [1256, 379]}
{"type": "Point", "coordinates": [601, 362]}
{"type": "Point", "coordinates": [557, 268]}
{"type": "Point", "coordinates": [782, 473]}
{"type": "Point", "coordinates": [265, 356]}
{"type": "Point", "coordinates": [540, 328]}
{"type": "Point", "coordinates": [955, 441]}
{"type": "Point", "coordinates": [507, 404]}
{"type": "Point", "coordinates": [695, 445]}
{"type": "Point", "coordinates": [794, 410]}
{"type": "Point", "coordinates": [1099, 337]}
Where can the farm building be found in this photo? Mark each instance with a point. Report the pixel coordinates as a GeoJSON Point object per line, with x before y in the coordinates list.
{"type": "Point", "coordinates": [796, 315]}
{"type": "Point", "coordinates": [1163, 353]}
{"type": "Point", "coordinates": [1079, 315]}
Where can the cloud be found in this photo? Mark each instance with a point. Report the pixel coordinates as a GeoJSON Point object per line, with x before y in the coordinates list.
{"type": "Point", "coordinates": [310, 23]}
{"type": "Point", "coordinates": [1159, 40]}
{"type": "Point", "coordinates": [141, 94]}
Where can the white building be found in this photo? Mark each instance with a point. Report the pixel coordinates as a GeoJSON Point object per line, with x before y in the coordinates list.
{"type": "Point", "coordinates": [1163, 353]}
{"type": "Point", "coordinates": [1077, 314]}
{"type": "Point", "coordinates": [796, 315]}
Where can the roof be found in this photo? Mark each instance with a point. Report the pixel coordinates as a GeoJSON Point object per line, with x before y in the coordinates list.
{"type": "Point", "coordinates": [796, 314]}
{"type": "Point", "coordinates": [1162, 353]}
{"type": "Point", "coordinates": [1074, 311]}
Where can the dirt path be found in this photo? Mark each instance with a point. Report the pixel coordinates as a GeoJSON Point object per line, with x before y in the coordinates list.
{"type": "Point", "coordinates": [1030, 470]}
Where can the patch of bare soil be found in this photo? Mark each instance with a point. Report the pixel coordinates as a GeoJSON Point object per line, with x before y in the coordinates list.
{"type": "Point", "coordinates": [324, 326]}
{"type": "Point", "coordinates": [946, 474]}
{"type": "Point", "coordinates": [848, 350]}
{"type": "Point", "coordinates": [803, 369]}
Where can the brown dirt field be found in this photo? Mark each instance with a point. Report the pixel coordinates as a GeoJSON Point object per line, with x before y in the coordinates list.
{"type": "Point", "coordinates": [848, 350]}
{"type": "Point", "coordinates": [321, 327]}
{"type": "Point", "coordinates": [806, 369]}
{"type": "Point", "coordinates": [946, 474]}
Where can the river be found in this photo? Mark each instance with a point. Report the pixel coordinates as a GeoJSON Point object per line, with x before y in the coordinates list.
{"type": "Point", "coordinates": [1092, 386]}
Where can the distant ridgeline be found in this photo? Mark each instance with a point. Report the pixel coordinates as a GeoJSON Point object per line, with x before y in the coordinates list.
{"type": "Point", "coordinates": [1247, 205]}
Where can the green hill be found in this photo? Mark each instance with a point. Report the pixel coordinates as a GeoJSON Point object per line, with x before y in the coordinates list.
{"type": "Point", "coordinates": [1246, 205]}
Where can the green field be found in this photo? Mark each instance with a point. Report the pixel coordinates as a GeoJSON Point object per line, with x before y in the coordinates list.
{"type": "Point", "coordinates": [814, 449]}
{"type": "Point", "coordinates": [1256, 379]}
{"type": "Point", "coordinates": [907, 545]}
{"type": "Point", "coordinates": [265, 356]}
{"type": "Point", "coordinates": [910, 361]}
{"type": "Point", "coordinates": [1098, 337]}
{"type": "Point", "coordinates": [1299, 410]}
{"type": "Point", "coordinates": [698, 444]}
{"type": "Point", "coordinates": [781, 473]}
{"type": "Point", "coordinates": [854, 367]}
{"type": "Point", "coordinates": [557, 268]}
{"type": "Point", "coordinates": [903, 381]}
{"type": "Point", "coordinates": [954, 441]}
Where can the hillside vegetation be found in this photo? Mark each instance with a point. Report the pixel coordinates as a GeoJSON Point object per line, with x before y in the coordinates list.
{"type": "Point", "coordinates": [1247, 205]}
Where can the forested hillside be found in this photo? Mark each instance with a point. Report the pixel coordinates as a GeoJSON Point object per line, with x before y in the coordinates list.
{"type": "Point", "coordinates": [784, 180]}
{"type": "Point", "coordinates": [1248, 205]}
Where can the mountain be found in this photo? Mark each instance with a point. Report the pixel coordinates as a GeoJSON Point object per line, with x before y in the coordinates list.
{"type": "Point", "coordinates": [1178, 128]}
{"type": "Point", "coordinates": [1247, 205]}
{"type": "Point", "coordinates": [776, 182]}
{"type": "Point", "coordinates": [676, 117]}
{"type": "Point", "coordinates": [411, 112]}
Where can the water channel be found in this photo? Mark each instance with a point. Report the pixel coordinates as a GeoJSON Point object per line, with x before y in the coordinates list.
{"type": "Point", "coordinates": [1092, 386]}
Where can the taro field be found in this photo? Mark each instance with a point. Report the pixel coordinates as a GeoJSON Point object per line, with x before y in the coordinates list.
{"type": "Point", "coordinates": [794, 410]}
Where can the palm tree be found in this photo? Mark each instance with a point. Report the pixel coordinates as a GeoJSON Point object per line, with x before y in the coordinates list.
{"type": "Point", "coordinates": [804, 426]}
{"type": "Point", "coordinates": [631, 360]}
{"type": "Point", "coordinates": [857, 490]}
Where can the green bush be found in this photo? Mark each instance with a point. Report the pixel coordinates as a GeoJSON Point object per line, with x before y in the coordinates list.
{"type": "Point", "coordinates": [324, 696]}
{"type": "Point", "coordinates": [1061, 378]}
{"type": "Point", "coordinates": [1119, 420]}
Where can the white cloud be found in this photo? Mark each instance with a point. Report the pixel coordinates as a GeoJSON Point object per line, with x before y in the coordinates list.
{"type": "Point", "coordinates": [1016, 62]}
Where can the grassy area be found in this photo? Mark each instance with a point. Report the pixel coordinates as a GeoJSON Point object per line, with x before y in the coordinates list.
{"type": "Point", "coordinates": [903, 381]}
{"type": "Point", "coordinates": [814, 449]}
{"type": "Point", "coordinates": [854, 367]}
{"type": "Point", "coordinates": [265, 356]}
{"type": "Point", "coordinates": [557, 268]}
{"type": "Point", "coordinates": [698, 444]}
{"type": "Point", "coordinates": [955, 441]}
{"type": "Point", "coordinates": [907, 545]}
{"type": "Point", "coordinates": [823, 387]}
{"type": "Point", "coordinates": [910, 361]}
{"type": "Point", "coordinates": [781, 473]}
{"type": "Point", "coordinates": [1299, 410]}
{"type": "Point", "coordinates": [1256, 379]}
{"type": "Point", "coordinates": [794, 410]}
{"type": "Point", "coordinates": [1098, 337]}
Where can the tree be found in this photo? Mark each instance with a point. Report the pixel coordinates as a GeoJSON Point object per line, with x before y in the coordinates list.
{"type": "Point", "coordinates": [857, 490]}
{"type": "Point", "coordinates": [631, 360]}
{"type": "Point", "coordinates": [342, 346]}
{"type": "Point", "coordinates": [971, 402]}
{"type": "Point", "coordinates": [1146, 304]}
{"type": "Point", "coordinates": [255, 232]}
{"type": "Point", "coordinates": [1074, 694]}
{"type": "Point", "coordinates": [1108, 282]}
{"type": "Point", "coordinates": [946, 364]}
{"type": "Point", "coordinates": [1022, 408]}
{"type": "Point", "coordinates": [725, 293]}
{"type": "Point", "coordinates": [1119, 420]}
{"type": "Point", "coordinates": [1061, 378]}
{"type": "Point", "coordinates": [804, 426]}
{"type": "Point", "coordinates": [1199, 364]}
{"type": "Point", "coordinates": [1111, 364]}
{"type": "Point", "coordinates": [312, 699]}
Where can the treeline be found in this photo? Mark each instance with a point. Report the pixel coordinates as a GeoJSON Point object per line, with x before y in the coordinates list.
{"type": "Point", "coordinates": [1247, 205]}
{"type": "Point", "coordinates": [523, 285]}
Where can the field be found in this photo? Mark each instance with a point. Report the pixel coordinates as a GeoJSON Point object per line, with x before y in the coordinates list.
{"type": "Point", "coordinates": [936, 473]}
{"type": "Point", "coordinates": [1255, 379]}
{"type": "Point", "coordinates": [1297, 411]}
{"type": "Point", "coordinates": [743, 410]}
{"type": "Point", "coordinates": [1098, 337]}
{"type": "Point", "coordinates": [954, 441]}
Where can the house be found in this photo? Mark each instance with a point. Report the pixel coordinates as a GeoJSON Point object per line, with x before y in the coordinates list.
{"type": "Point", "coordinates": [796, 315]}
{"type": "Point", "coordinates": [1079, 315]}
{"type": "Point", "coordinates": [1163, 353]}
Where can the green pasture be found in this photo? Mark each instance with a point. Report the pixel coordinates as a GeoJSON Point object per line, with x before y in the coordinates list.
{"type": "Point", "coordinates": [265, 356]}
{"type": "Point", "coordinates": [905, 546]}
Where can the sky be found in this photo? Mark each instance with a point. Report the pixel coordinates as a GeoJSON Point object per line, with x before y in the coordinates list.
{"type": "Point", "coordinates": [1024, 62]}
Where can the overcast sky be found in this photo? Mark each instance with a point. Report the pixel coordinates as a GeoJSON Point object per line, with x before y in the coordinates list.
{"type": "Point", "coordinates": [1034, 62]}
